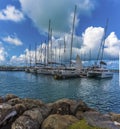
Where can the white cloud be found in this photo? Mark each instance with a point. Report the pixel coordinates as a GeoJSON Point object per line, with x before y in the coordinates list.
{"type": "Point", "coordinates": [58, 50]}
{"type": "Point", "coordinates": [112, 45]}
{"type": "Point", "coordinates": [13, 40]}
{"type": "Point", "coordinates": [90, 39]}
{"type": "Point", "coordinates": [3, 54]}
{"type": "Point", "coordinates": [92, 36]}
{"type": "Point", "coordinates": [24, 59]}
{"type": "Point", "coordinates": [60, 12]}
{"type": "Point", "coordinates": [11, 13]}
{"type": "Point", "coordinates": [17, 60]}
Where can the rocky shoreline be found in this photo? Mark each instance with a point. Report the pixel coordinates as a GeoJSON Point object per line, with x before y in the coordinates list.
{"type": "Point", "coordinates": [25, 113]}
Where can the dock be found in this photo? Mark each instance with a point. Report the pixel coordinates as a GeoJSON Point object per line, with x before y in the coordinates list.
{"type": "Point", "coordinates": [11, 68]}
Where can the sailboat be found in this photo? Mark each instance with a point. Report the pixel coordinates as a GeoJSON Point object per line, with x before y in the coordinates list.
{"type": "Point", "coordinates": [100, 71]}
{"type": "Point", "coordinates": [70, 72]}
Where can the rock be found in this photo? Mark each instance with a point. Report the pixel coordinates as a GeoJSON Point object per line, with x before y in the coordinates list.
{"type": "Point", "coordinates": [45, 110]}
{"type": "Point", "coordinates": [30, 103]}
{"type": "Point", "coordinates": [79, 115]}
{"type": "Point", "coordinates": [67, 106]}
{"type": "Point", "coordinates": [80, 106]}
{"type": "Point", "coordinates": [20, 108]}
{"type": "Point", "coordinates": [115, 117]}
{"type": "Point", "coordinates": [57, 121]}
{"type": "Point", "coordinates": [1, 99]}
{"type": "Point", "coordinates": [34, 114]}
{"type": "Point", "coordinates": [25, 122]}
{"type": "Point", "coordinates": [5, 106]}
{"type": "Point", "coordinates": [9, 96]}
{"type": "Point", "coordinates": [70, 102]}
{"type": "Point", "coordinates": [8, 126]}
{"type": "Point", "coordinates": [14, 101]}
{"type": "Point", "coordinates": [97, 119]}
{"type": "Point", "coordinates": [18, 113]}
{"type": "Point", "coordinates": [7, 113]}
{"type": "Point", "coordinates": [22, 105]}
{"type": "Point", "coordinates": [61, 108]}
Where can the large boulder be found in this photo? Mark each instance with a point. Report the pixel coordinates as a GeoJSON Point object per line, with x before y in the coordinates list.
{"type": "Point", "coordinates": [45, 110]}
{"type": "Point", "coordinates": [30, 119]}
{"type": "Point", "coordinates": [30, 103]}
{"type": "Point", "coordinates": [7, 113]}
{"type": "Point", "coordinates": [25, 122]}
{"type": "Point", "coordinates": [68, 107]}
{"type": "Point", "coordinates": [100, 120]}
{"type": "Point", "coordinates": [57, 121]}
{"type": "Point", "coordinates": [20, 108]}
{"type": "Point", "coordinates": [22, 105]}
{"type": "Point", "coordinates": [9, 96]}
{"type": "Point", "coordinates": [80, 106]}
{"type": "Point", "coordinates": [62, 108]}
{"type": "Point", "coordinates": [14, 101]}
{"type": "Point", "coordinates": [34, 114]}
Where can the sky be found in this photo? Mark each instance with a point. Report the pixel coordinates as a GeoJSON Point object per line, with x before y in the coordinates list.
{"type": "Point", "coordinates": [24, 27]}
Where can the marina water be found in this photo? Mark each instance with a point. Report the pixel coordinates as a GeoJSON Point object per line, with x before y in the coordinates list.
{"type": "Point", "coordinates": [102, 94]}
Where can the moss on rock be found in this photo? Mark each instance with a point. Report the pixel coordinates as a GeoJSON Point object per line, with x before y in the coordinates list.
{"type": "Point", "coordinates": [82, 124]}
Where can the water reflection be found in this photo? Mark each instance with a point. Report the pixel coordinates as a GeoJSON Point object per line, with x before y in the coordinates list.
{"type": "Point", "coordinates": [101, 94]}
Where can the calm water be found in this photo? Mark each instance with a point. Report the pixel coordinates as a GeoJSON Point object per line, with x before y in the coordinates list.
{"type": "Point", "coordinates": [101, 94]}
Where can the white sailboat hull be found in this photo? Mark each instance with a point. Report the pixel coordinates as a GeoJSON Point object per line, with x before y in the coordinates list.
{"type": "Point", "coordinates": [99, 74]}
{"type": "Point", "coordinates": [44, 71]}
{"type": "Point", "coordinates": [63, 74]}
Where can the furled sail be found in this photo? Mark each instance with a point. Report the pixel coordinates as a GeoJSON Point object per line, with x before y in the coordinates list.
{"type": "Point", "coordinates": [78, 62]}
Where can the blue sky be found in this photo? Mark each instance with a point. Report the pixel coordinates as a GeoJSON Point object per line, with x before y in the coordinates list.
{"type": "Point", "coordinates": [25, 22]}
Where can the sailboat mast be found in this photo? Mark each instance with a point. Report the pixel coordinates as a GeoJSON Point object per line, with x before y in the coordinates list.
{"type": "Point", "coordinates": [101, 49]}
{"type": "Point", "coordinates": [48, 41]}
{"type": "Point", "coordinates": [64, 48]}
{"type": "Point", "coordinates": [30, 54]}
{"type": "Point", "coordinates": [73, 26]}
{"type": "Point", "coordinates": [51, 42]}
{"type": "Point", "coordinates": [55, 54]}
{"type": "Point", "coordinates": [90, 57]}
{"type": "Point", "coordinates": [103, 44]}
{"type": "Point", "coordinates": [59, 53]}
{"type": "Point", "coordinates": [26, 59]}
{"type": "Point", "coordinates": [45, 54]}
{"type": "Point", "coordinates": [35, 55]}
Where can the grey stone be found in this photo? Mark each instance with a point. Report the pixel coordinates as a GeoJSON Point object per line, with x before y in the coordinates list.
{"type": "Point", "coordinates": [57, 121]}
{"type": "Point", "coordinates": [34, 114]}
{"type": "Point", "coordinates": [25, 122]}
{"type": "Point", "coordinates": [100, 120]}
